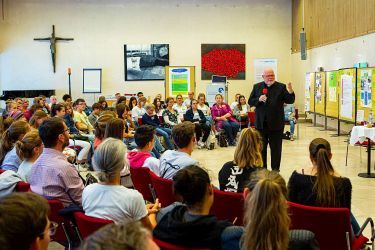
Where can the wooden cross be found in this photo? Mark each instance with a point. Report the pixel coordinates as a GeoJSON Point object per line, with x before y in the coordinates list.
{"type": "Point", "coordinates": [53, 39]}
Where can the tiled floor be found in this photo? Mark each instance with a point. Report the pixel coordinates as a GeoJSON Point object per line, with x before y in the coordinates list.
{"type": "Point", "coordinates": [295, 156]}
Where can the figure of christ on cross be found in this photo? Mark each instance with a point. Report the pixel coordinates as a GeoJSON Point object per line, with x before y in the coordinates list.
{"type": "Point", "coordinates": [53, 39]}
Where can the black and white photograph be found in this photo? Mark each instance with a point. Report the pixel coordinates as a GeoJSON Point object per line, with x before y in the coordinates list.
{"type": "Point", "coordinates": [144, 62]}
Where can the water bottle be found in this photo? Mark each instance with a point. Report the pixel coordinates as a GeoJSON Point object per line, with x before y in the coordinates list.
{"type": "Point", "coordinates": [370, 118]}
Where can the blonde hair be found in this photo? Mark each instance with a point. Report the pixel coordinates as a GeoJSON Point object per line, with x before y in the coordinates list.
{"type": "Point", "coordinates": [25, 147]}
{"type": "Point", "coordinates": [266, 216]}
{"type": "Point", "coordinates": [248, 152]}
{"type": "Point", "coordinates": [36, 116]}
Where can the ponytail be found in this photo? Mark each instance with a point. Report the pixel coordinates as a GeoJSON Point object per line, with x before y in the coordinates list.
{"type": "Point", "coordinates": [10, 136]}
{"type": "Point", "coordinates": [25, 147]}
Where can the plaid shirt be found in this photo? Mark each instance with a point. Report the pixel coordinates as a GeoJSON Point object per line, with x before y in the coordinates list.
{"type": "Point", "coordinates": [53, 177]}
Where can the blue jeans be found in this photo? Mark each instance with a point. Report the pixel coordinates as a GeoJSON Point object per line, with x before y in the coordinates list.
{"type": "Point", "coordinates": [291, 122]}
{"type": "Point", "coordinates": [231, 129]}
{"type": "Point", "coordinates": [165, 132]}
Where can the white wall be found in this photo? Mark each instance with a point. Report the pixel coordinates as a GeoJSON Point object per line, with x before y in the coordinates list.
{"type": "Point", "coordinates": [101, 28]}
{"type": "Point", "coordinates": [334, 56]}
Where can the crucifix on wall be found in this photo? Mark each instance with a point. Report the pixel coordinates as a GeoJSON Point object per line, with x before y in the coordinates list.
{"type": "Point", "coordinates": [53, 39]}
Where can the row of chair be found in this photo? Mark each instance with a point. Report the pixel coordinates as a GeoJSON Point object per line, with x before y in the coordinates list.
{"type": "Point", "coordinates": [20, 186]}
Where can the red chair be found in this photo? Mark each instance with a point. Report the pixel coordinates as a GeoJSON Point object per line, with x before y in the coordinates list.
{"type": "Point", "coordinates": [61, 234]}
{"type": "Point", "coordinates": [228, 206]}
{"type": "Point", "coordinates": [23, 187]}
{"type": "Point", "coordinates": [87, 225]}
{"type": "Point", "coordinates": [331, 226]}
{"type": "Point", "coordinates": [251, 116]}
{"type": "Point", "coordinates": [140, 122]}
{"type": "Point", "coordinates": [163, 189]}
{"type": "Point", "coordinates": [142, 181]}
{"type": "Point", "coordinates": [168, 246]}
{"type": "Point", "coordinates": [2, 171]}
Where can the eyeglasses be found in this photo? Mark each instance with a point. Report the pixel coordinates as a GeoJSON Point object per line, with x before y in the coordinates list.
{"type": "Point", "coordinates": [52, 229]}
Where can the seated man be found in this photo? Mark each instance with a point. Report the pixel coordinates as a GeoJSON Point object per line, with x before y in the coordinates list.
{"type": "Point", "coordinates": [96, 109]}
{"type": "Point", "coordinates": [52, 176]}
{"type": "Point", "coordinates": [141, 157]}
{"type": "Point", "coordinates": [150, 118]}
{"type": "Point", "coordinates": [173, 160]}
{"type": "Point", "coordinates": [289, 116]}
{"type": "Point", "coordinates": [80, 117]}
{"type": "Point", "coordinates": [24, 222]}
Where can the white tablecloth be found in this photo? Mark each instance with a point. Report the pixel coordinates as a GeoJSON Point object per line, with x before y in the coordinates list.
{"type": "Point", "coordinates": [361, 133]}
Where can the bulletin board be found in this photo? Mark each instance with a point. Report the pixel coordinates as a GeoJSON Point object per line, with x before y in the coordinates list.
{"type": "Point", "coordinates": [332, 93]}
{"type": "Point", "coordinates": [311, 78]}
{"type": "Point", "coordinates": [365, 90]}
{"type": "Point", "coordinates": [348, 82]}
{"type": "Point", "coordinates": [320, 93]}
{"type": "Point", "coordinates": [179, 80]}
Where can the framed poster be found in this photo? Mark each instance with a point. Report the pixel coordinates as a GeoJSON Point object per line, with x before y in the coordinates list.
{"type": "Point", "coordinates": [223, 59]}
{"type": "Point", "coordinates": [179, 80]}
{"type": "Point", "coordinates": [145, 62]}
{"type": "Point", "coordinates": [92, 80]}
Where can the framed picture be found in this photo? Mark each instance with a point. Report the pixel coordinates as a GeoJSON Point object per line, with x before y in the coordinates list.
{"type": "Point", "coordinates": [179, 80]}
{"type": "Point", "coordinates": [145, 62]}
{"type": "Point", "coordinates": [92, 80]}
{"type": "Point", "coordinates": [224, 60]}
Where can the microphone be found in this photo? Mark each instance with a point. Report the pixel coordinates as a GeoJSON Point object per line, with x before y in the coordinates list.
{"type": "Point", "coordinates": [265, 91]}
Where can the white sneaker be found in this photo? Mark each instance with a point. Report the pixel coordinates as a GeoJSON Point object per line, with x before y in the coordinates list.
{"type": "Point", "coordinates": [201, 144]}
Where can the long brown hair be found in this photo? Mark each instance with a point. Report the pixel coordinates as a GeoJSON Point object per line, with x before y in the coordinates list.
{"type": "Point", "coordinates": [101, 123]}
{"type": "Point", "coordinates": [25, 147]}
{"type": "Point", "coordinates": [248, 153]}
{"type": "Point", "coordinates": [11, 135]}
{"type": "Point", "coordinates": [239, 106]}
{"type": "Point", "coordinates": [36, 116]}
{"type": "Point", "coordinates": [320, 153]}
{"type": "Point", "coordinates": [115, 129]}
{"type": "Point", "coordinates": [266, 216]}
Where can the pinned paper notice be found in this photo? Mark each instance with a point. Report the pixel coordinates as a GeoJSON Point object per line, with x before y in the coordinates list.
{"type": "Point", "coordinates": [360, 115]}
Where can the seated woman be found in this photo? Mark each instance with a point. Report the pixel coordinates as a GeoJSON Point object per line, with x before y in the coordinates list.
{"type": "Point", "coordinates": [222, 115]}
{"type": "Point", "coordinates": [108, 199]}
{"type": "Point", "coordinates": [289, 116]}
{"type": "Point", "coordinates": [75, 138]}
{"type": "Point", "coordinates": [139, 110]}
{"type": "Point", "coordinates": [38, 117]}
{"type": "Point", "coordinates": [28, 150]}
{"type": "Point", "coordinates": [132, 103]}
{"type": "Point", "coordinates": [266, 216]}
{"type": "Point", "coordinates": [180, 107]}
{"type": "Point", "coordinates": [123, 113]}
{"type": "Point", "coordinates": [197, 117]}
{"type": "Point", "coordinates": [150, 118]}
{"type": "Point", "coordinates": [240, 111]}
{"type": "Point", "coordinates": [158, 107]}
{"type": "Point", "coordinates": [9, 159]}
{"type": "Point", "coordinates": [320, 185]}
{"type": "Point", "coordinates": [235, 174]}
{"type": "Point", "coordinates": [189, 224]}
{"type": "Point", "coordinates": [170, 115]}
{"type": "Point", "coordinates": [100, 126]}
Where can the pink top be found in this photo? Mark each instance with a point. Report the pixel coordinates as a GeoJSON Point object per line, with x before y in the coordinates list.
{"type": "Point", "coordinates": [217, 111]}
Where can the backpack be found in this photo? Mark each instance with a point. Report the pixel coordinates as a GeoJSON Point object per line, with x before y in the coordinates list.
{"type": "Point", "coordinates": [222, 139]}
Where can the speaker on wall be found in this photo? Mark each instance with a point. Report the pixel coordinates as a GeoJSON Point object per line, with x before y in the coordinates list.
{"type": "Point", "coordinates": [302, 39]}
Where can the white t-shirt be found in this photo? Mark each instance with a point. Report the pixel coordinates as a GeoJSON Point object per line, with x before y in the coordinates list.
{"type": "Point", "coordinates": [233, 105]}
{"type": "Point", "coordinates": [24, 170]}
{"type": "Point", "coordinates": [205, 109]}
{"type": "Point", "coordinates": [244, 109]}
{"type": "Point", "coordinates": [113, 202]}
{"type": "Point", "coordinates": [137, 112]}
{"type": "Point", "coordinates": [172, 161]}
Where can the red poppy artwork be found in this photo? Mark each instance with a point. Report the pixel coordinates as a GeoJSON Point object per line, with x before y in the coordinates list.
{"type": "Point", "coordinates": [223, 59]}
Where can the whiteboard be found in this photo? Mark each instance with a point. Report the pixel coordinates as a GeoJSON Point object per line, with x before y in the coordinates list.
{"type": "Point", "coordinates": [92, 80]}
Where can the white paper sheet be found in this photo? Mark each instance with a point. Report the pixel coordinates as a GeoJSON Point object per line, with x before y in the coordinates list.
{"type": "Point", "coordinates": [346, 97]}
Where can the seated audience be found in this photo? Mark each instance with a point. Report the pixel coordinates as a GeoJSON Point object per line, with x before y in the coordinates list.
{"type": "Point", "coordinates": [126, 236]}
{"type": "Point", "coordinates": [5, 123]}
{"type": "Point", "coordinates": [53, 100]}
{"type": "Point", "coordinates": [320, 185]}
{"type": "Point", "coordinates": [75, 138]}
{"type": "Point", "coordinates": [28, 150]}
{"type": "Point", "coordinates": [141, 157]}
{"type": "Point", "coordinates": [266, 216]}
{"type": "Point", "coordinates": [149, 118]}
{"type": "Point", "coordinates": [80, 117]}
{"type": "Point", "coordinates": [139, 110]}
{"type": "Point", "coordinates": [29, 113]}
{"type": "Point", "coordinates": [158, 107]}
{"type": "Point", "coordinates": [121, 99]}
{"type": "Point", "coordinates": [8, 155]}
{"type": "Point", "coordinates": [67, 98]}
{"type": "Point", "coordinates": [190, 224]}
{"type": "Point", "coordinates": [117, 96]}
{"type": "Point", "coordinates": [290, 116]}
{"type": "Point", "coordinates": [159, 96]}
{"type": "Point", "coordinates": [41, 99]}
{"type": "Point", "coordinates": [180, 107]}
{"type": "Point", "coordinates": [173, 160]}
{"type": "Point", "coordinates": [222, 115]}
{"type": "Point", "coordinates": [240, 111]}
{"type": "Point", "coordinates": [68, 117]}
{"type": "Point", "coordinates": [25, 105]}
{"type": "Point", "coordinates": [197, 117]}
{"type": "Point", "coordinates": [96, 109]}
{"type": "Point", "coordinates": [24, 223]}
{"type": "Point", "coordinates": [188, 100]}
{"type": "Point", "coordinates": [139, 95]}
{"type": "Point", "coordinates": [19, 102]}
{"type": "Point", "coordinates": [11, 107]}
{"type": "Point", "coordinates": [37, 119]}
{"type": "Point", "coordinates": [100, 126]}
{"type": "Point", "coordinates": [235, 174]}
{"type": "Point", "coordinates": [18, 116]}
{"type": "Point", "coordinates": [115, 128]}
{"type": "Point", "coordinates": [108, 199]}
{"type": "Point", "coordinates": [123, 113]}
{"type": "Point", "coordinates": [52, 176]}
{"type": "Point", "coordinates": [170, 115]}
{"type": "Point", "coordinates": [235, 103]}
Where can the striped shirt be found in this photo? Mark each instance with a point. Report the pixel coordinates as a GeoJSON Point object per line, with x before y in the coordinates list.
{"type": "Point", "coordinates": [53, 177]}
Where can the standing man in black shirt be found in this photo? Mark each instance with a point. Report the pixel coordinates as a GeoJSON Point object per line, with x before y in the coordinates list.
{"type": "Point", "coordinates": [269, 97]}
